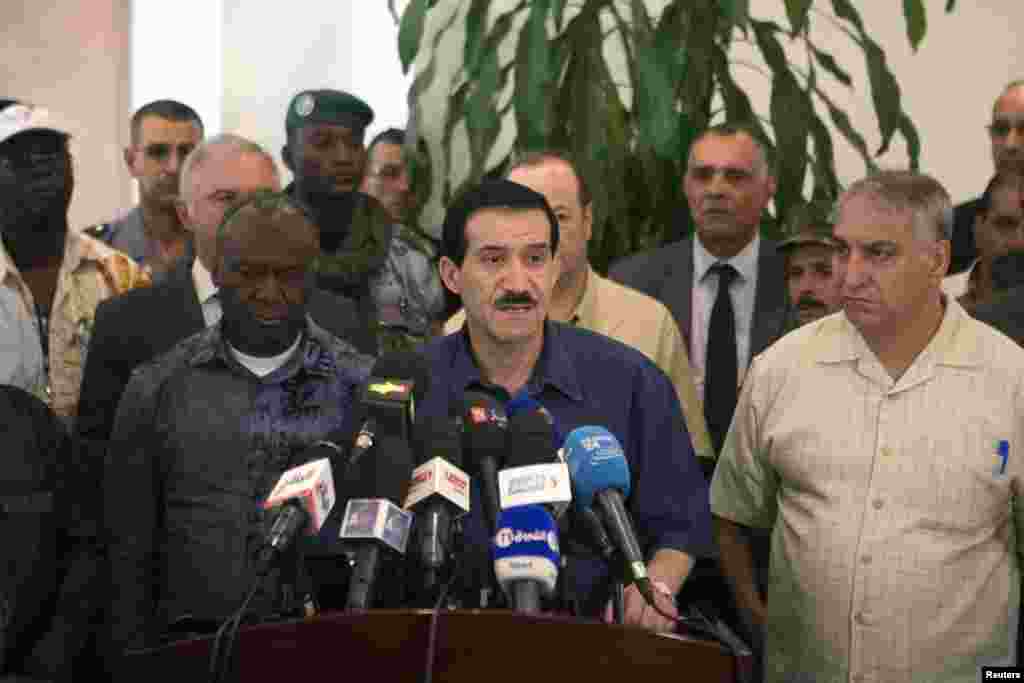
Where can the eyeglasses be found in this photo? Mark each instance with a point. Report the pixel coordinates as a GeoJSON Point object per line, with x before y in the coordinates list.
{"type": "Point", "coordinates": [1001, 128]}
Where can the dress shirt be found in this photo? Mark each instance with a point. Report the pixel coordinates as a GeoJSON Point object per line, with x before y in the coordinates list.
{"type": "Point", "coordinates": [705, 290]}
{"type": "Point", "coordinates": [584, 378]}
{"type": "Point", "coordinates": [206, 293]}
{"type": "Point", "coordinates": [896, 524]}
{"type": "Point", "coordinates": [642, 322]}
{"type": "Point", "coordinates": [89, 273]}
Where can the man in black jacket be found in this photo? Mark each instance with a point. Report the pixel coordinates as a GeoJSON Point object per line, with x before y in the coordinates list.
{"type": "Point", "coordinates": [51, 582]}
{"type": "Point", "coordinates": [131, 330]}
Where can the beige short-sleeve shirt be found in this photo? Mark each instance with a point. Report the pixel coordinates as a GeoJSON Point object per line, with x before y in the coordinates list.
{"type": "Point", "coordinates": [894, 512]}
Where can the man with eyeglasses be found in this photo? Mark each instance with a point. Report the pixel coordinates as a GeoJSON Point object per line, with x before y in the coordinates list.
{"type": "Point", "coordinates": [51, 278]}
{"type": "Point", "coordinates": [162, 135]}
{"type": "Point", "coordinates": [1006, 133]}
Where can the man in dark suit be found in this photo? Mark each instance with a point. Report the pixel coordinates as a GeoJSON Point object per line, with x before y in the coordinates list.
{"type": "Point", "coordinates": [728, 184]}
{"type": "Point", "coordinates": [1006, 134]}
{"type": "Point", "coordinates": [132, 330]}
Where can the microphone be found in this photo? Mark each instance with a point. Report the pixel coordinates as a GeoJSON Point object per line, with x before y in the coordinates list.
{"type": "Point", "coordinates": [304, 497]}
{"type": "Point", "coordinates": [533, 471]}
{"type": "Point", "coordinates": [373, 520]}
{"type": "Point", "coordinates": [439, 493]}
{"type": "Point", "coordinates": [483, 445]}
{"type": "Point", "coordinates": [526, 556]}
{"type": "Point", "coordinates": [389, 397]}
{"type": "Point", "coordinates": [600, 472]}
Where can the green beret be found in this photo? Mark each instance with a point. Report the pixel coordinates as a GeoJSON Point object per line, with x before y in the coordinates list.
{"type": "Point", "coordinates": [327, 106]}
{"type": "Point", "coordinates": [809, 223]}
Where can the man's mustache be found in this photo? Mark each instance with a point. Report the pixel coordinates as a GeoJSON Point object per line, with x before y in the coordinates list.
{"type": "Point", "coordinates": [514, 299]}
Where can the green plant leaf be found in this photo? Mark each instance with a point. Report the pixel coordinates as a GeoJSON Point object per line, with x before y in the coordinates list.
{"type": "Point", "coordinates": [885, 93]}
{"type": "Point", "coordinates": [736, 11]}
{"type": "Point", "coordinates": [909, 132]}
{"type": "Point", "coordinates": [410, 32]}
{"type": "Point", "coordinates": [950, 5]}
{"type": "Point", "coordinates": [533, 72]}
{"type": "Point", "coordinates": [917, 21]}
{"type": "Point", "coordinates": [796, 10]}
{"type": "Point", "coordinates": [844, 9]}
{"type": "Point", "coordinates": [476, 33]}
{"type": "Point", "coordinates": [482, 120]}
{"type": "Point", "coordinates": [828, 62]}
{"type": "Point", "coordinates": [841, 120]}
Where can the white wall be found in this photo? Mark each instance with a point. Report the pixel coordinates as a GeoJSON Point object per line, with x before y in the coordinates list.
{"type": "Point", "coordinates": [238, 62]}
{"type": "Point", "coordinates": [72, 58]}
{"type": "Point", "coordinates": [271, 53]}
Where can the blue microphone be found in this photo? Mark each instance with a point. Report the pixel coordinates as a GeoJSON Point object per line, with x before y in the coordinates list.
{"type": "Point", "coordinates": [526, 556]}
{"type": "Point", "coordinates": [599, 472]}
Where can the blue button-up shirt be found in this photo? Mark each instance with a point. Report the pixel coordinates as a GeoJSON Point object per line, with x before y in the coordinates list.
{"type": "Point", "coordinates": [584, 378]}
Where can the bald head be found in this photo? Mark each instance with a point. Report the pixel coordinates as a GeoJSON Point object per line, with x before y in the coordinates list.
{"type": "Point", "coordinates": [219, 173]}
{"type": "Point", "coordinates": [268, 229]}
{"type": "Point", "coordinates": [1006, 132]}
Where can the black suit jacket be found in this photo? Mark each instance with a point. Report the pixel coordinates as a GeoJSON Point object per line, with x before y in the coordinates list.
{"type": "Point", "coordinates": [51, 579]}
{"type": "Point", "coordinates": [964, 251]}
{"type": "Point", "coordinates": [1005, 313]}
{"type": "Point", "coordinates": [667, 275]}
{"type": "Point", "coordinates": [141, 324]}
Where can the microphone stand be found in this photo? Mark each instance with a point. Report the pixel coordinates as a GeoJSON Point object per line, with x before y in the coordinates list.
{"type": "Point", "coordinates": [618, 602]}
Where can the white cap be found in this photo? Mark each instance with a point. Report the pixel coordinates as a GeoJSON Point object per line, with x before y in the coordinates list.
{"type": "Point", "coordinates": [20, 118]}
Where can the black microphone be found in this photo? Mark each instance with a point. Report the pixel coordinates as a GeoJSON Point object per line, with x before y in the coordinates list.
{"type": "Point", "coordinates": [483, 445]}
{"type": "Point", "coordinates": [438, 495]}
{"type": "Point", "coordinates": [533, 473]}
{"type": "Point", "coordinates": [374, 520]}
{"type": "Point", "coordinates": [398, 380]}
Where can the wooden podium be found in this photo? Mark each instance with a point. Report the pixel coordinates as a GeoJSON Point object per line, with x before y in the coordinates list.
{"type": "Point", "coordinates": [470, 646]}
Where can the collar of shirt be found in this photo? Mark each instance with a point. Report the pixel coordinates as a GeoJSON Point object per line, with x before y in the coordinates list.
{"type": "Point", "coordinates": [554, 367]}
{"type": "Point", "coordinates": [954, 344]}
{"type": "Point", "coordinates": [744, 262]}
{"type": "Point", "coordinates": [311, 357]}
{"type": "Point", "coordinates": [586, 310]}
{"type": "Point", "coordinates": [202, 280]}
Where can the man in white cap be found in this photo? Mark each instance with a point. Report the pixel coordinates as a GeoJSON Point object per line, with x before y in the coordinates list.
{"type": "Point", "coordinates": [51, 278]}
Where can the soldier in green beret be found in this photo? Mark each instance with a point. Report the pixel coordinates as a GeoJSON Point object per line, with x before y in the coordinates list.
{"type": "Point", "coordinates": [813, 276]}
{"type": "Point", "coordinates": [364, 254]}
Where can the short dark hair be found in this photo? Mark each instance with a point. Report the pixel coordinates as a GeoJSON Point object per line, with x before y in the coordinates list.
{"type": "Point", "coordinates": [390, 136]}
{"type": "Point", "coordinates": [490, 194]}
{"type": "Point", "coordinates": [539, 156]}
{"type": "Point", "coordinates": [734, 128]}
{"type": "Point", "coordinates": [172, 110]}
{"type": "Point", "coordinates": [997, 182]}
{"type": "Point", "coordinates": [4, 103]}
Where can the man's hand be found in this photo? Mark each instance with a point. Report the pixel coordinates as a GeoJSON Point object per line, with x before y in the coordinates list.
{"type": "Point", "coordinates": [637, 612]}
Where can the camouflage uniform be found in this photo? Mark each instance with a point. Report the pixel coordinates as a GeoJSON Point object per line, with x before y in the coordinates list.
{"type": "Point", "coordinates": [394, 267]}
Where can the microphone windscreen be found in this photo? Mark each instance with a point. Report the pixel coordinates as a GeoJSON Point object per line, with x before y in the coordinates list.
{"type": "Point", "coordinates": [596, 462]}
{"type": "Point", "coordinates": [384, 471]}
{"type": "Point", "coordinates": [529, 440]}
{"type": "Point", "coordinates": [437, 437]}
{"type": "Point", "coordinates": [484, 424]}
{"type": "Point", "coordinates": [406, 365]}
{"type": "Point", "coordinates": [526, 546]}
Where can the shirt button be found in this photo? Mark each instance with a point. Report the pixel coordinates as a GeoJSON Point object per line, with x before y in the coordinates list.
{"type": "Point", "coordinates": [863, 618]}
{"type": "Point", "coordinates": [878, 503]}
{"type": "Point", "coordinates": [865, 559]}
{"type": "Point", "coordinates": [886, 452]}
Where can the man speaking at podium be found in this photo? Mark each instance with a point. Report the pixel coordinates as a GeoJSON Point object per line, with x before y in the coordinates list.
{"type": "Point", "coordinates": [499, 243]}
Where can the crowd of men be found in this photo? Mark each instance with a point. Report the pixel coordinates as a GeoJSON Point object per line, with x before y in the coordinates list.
{"type": "Point", "coordinates": [820, 430]}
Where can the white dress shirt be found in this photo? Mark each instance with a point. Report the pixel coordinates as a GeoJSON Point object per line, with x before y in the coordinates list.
{"type": "Point", "coordinates": [206, 292]}
{"type": "Point", "coordinates": [704, 291]}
